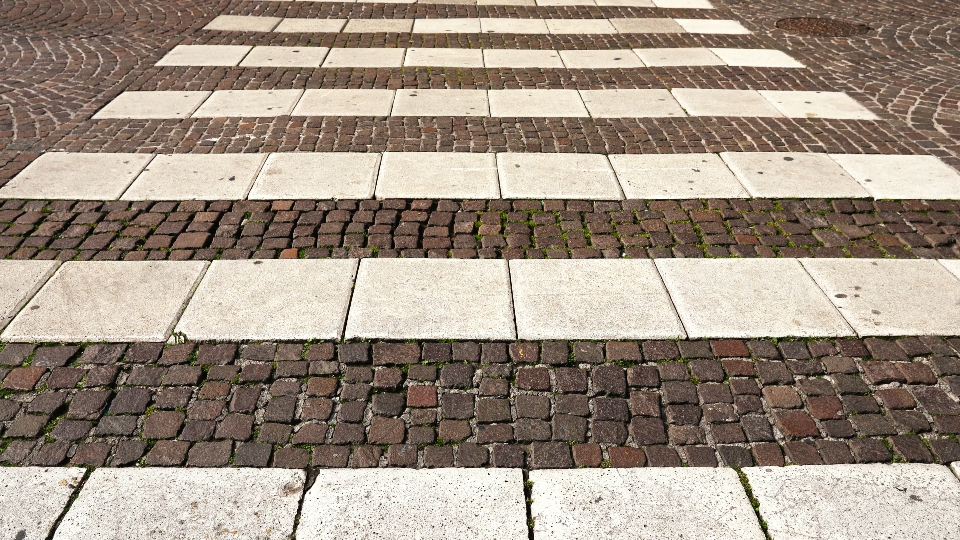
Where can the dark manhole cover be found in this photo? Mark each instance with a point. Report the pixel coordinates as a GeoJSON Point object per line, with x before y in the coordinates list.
{"type": "Point", "coordinates": [813, 26]}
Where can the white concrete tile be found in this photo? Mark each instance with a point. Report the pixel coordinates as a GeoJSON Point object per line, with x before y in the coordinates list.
{"type": "Point", "coordinates": [625, 3]}
{"type": "Point", "coordinates": [712, 26]}
{"type": "Point", "coordinates": [645, 504]}
{"type": "Point", "coordinates": [799, 104]}
{"type": "Point", "coordinates": [391, 504]}
{"type": "Point", "coordinates": [732, 298]}
{"type": "Point", "coordinates": [32, 498]}
{"type": "Point", "coordinates": [345, 102]}
{"type": "Point", "coordinates": [242, 23]}
{"type": "Point", "coordinates": [646, 25]}
{"type": "Point", "coordinates": [307, 26]}
{"type": "Point", "coordinates": [557, 176]}
{"type": "Point", "coordinates": [513, 26]}
{"type": "Point", "coordinates": [118, 504]}
{"type": "Point", "coordinates": [580, 26]}
{"type": "Point", "coordinates": [704, 102]}
{"type": "Point", "coordinates": [756, 58]}
{"type": "Point", "coordinates": [616, 59]}
{"type": "Point", "coordinates": [75, 176]}
{"type": "Point", "coordinates": [431, 299]}
{"type": "Point", "coordinates": [902, 177]}
{"type": "Point", "coordinates": [371, 26]}
{"type": "Point", "coordinates": [19, 281]}
{"type": "Point", "coordinates": [449, 2]}
{"type": "Point", "coordinates": [440, 175]}
{"type": "Point", "coordinates": [446, 26]}
{"type": "Point", "coordinates": [521, 58]}
{"type": "Point", "coordinates": [687, 56]}
{"type": "Point", "coordinates": [248, 103]}
{"type": "Point", "coordinates": [792, 175]}
{"type": "Point", "coordinates": [269, 56]}
{"type": "Point", "coordinates": [591, 299]}
{"type": "Point", "coordinates": [536, 103]}
{"type": "Point", "coordinates": [464, 58]}
{"type": "Point", "coordinates": [207, 177]}
{"type": "Point", "coordinates": [204, 55]}
{"type": "Point", "coordinates": [631, 103]}
{"type": "Point", "coordinates": [857, 502]}
{"type": "Point", "coordinates": [506, 2]}
{"type": "Point", "coordinates": [364, 58]}
{"type": "Point", "coordinates": [891, 297]}
{"type": "Point", "coordinates": [675, 176]}
{"type": "Point", "coordinates": [153, 104]}
{"type": "Point", "coordinates": [683, 4]}
{"type": "Point", "coordinates": [566, 3]}
{"type": "Point", "coordinates": [441, 102]}
{"type": "Point", "coordinates": [281, 299]}
{"type": "Point", "coordinates": [108, 301]}
{"type": "Point", "coordinates": [317, 175]}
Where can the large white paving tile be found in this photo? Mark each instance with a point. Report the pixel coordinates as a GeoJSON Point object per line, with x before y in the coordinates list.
{"type": "Point", "coordinates": [683, 4]}
{"type": "Point", "coordinates": [118, 504]}
{"type": "Point", "coordinates": [440, 102]}
{"type": "Point", "coordinates": [364, 58]}
{"type": "Point", "coordinates": [591, 299]}
{"type": "Point", "coordinates": [645, 25]}
{"type": "Point", "coordinates": [712, 26]}
{"type": "Point", "coordinates": [521, 58]}
{"type": "Point", "coordinates": [19, 280]}
{"type": "Point", "coordinates": [431, 299]}
{"type": "Point", "coordinates": [513, 26]}
{"type": "Point", "coordinates": [813, 104]}
{"type": "Point", "coordinates": [62, 175]}
{"type": "Point", "coordinates": [446, 26]}
{"type": "Point", "coordinates": [345, 102]}
{"type": "Point", "coordinates": [204, 55]}
{"type": "Point", "coordinates": [902, 177]}
{"type": "Point", "coordinates": [675, 176]}
{"type": "Point", "coordinates": [285, 299]}
{"type": "Point", "coordinates": [438, 175]}
{"type": "Point", "coordinates": [32, 498]}
{"type": "Point", "coordinates": [108, 301]}
{"type": "Point", "coordinates": [242, 23]}
{"type": "Point", "coordinates": [625, 3]}
{"type": "Point", "coordinates": [249, 103]}
{"type": "Point", "coordinates": [307, 26]}
{"type": "Point", "coordinates": [153, 104]}
{"type": "Point", "coordinates": [317, 175]}
{"type": "Point", "coordinates": [756, 58]}
{"type": "Point", "coordinates": [580, 26]}
{"type": "Point", "coordinates": [425, 56]}
{"type": "Point", "coordinates": [391, 504]}
{"type": "Point", "coordinates": [884, 297]}
{"type": "Point", "coordinates": [710, 102]}
{"type": "Point", "coordinates": [615, 59]}
{"type": "Point", "coordinates": [536, 103]}
{"type": "Point", "coordinates": [796, 175]}
{"type": "Point", "coordinates": [646, 504]}
{"type": "Point", "coordinates": [557, 176]}
{"type": "Point", "coordinates": [631, 103]}
{"type": "Point", "coordinates": [734, 298]}
{"type": "Point", "coordinates": [207, 177]}
{"type": "Point", "coordinates": [857, 502]}
{"type": "Point", "coordinates": [378, 25]}
{"type": "Point", "coordinates": [687, 56]}
{"type": "Point", "coordinates": [270, 56]}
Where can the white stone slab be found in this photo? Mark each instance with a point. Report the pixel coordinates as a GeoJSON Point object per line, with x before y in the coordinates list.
{"type": "Point", "coordinates": [687, 56]}
{"type": "Point", "coordinates": [364, 58]}
{"type": "Point", "coordinates": [580, 26]}
{"type": "Point", "coordinates": [857, 502]}
{"type": "Point", "coordinates": [626, 3]}
{"type": "Point", "coordinates": [309, 26]}
{"type": "Point", "coordinates": [371, 26]}
{"type": "Point", "coordinates": [615, 59]}
{"type": "Point", "coordinates": [536, 103]}
{"type": "Point", "coordinates": [438, 175]}
{"type": "Point", "coordinates": [645, 25]}
{"type": "Point", "coordinates": [566, 3]}
{"type": "Point", "coordinates": [441, 102]}
{"type": "Point", "coordinates": [431, 299]}
{"type": "Point", "coordinates": [506, 2]}
{"type": "Point", "coordinates": [734, 298]}
{"type": "Point", "coordinates": [645, 504]}
{"type": "Point", "coordinates": [206, 177]}
{"type": "Point", "coordinates": [675, 176]}
{"type": "Point", "coordinates": [242, 23]}
{"type": "Point", "coordinates": [204, 55]}
{"type": "Point", "coordinates": [709, 102]}
{"type": "Point", "coordinates": [792, 175]}
{"type": "Point", "coordinates": [465, 58]}
{"type": "Point", "coordinates": [756, 58]}
{"type": "Point", "coordinates": [391, 504]}
{"type": "Point", "coordinates": [248, 103]}
{"type": "Point", "coordinates": [800, 104]}
{"type": "Point", "coordinates": [683, 4]}
{"type": "Point", "coordinates": [317, 175]}
{"type": "Point", "coordinates": [446, 26]}
{"type": "Point", "coordinates": [20, 280]}
{"type": "Point", "coordinates": [591, 299]}
{"type": "Point", "coordinates": [513, 26]}
{"type": "Point", "coordinates": [521, 58]}
{"type": "Point", "coordinates": [712, 26]}
{"type": "Point", "coordinates": [32, 498]}
{"type": "Point", "coordinates": [108, 301]}
{"type": "Point", "coordinates": [269, 56]}
{"type": "Point", "coordinates": [153, 104]}
{"type": "Point", "coordinates": [75, 176]}
{"type": "Point", "coordinates": [631, 103]}
{"type": "Point", "coordinates": [118, 504]}
{"type": "Point", "coordinates": [884, 297]}
{"type": "Point", "coordinates": [345, 102]}
{"type": "Point", "coordinates": [557, 176]}
{"type": "Point", "coordinates": [902, 177]}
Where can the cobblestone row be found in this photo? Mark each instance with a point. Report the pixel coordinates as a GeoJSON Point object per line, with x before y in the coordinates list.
{"type": "Point", "coordinates": [520, 404]}
{"type": "Point", "coordinates": [120, 230]}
